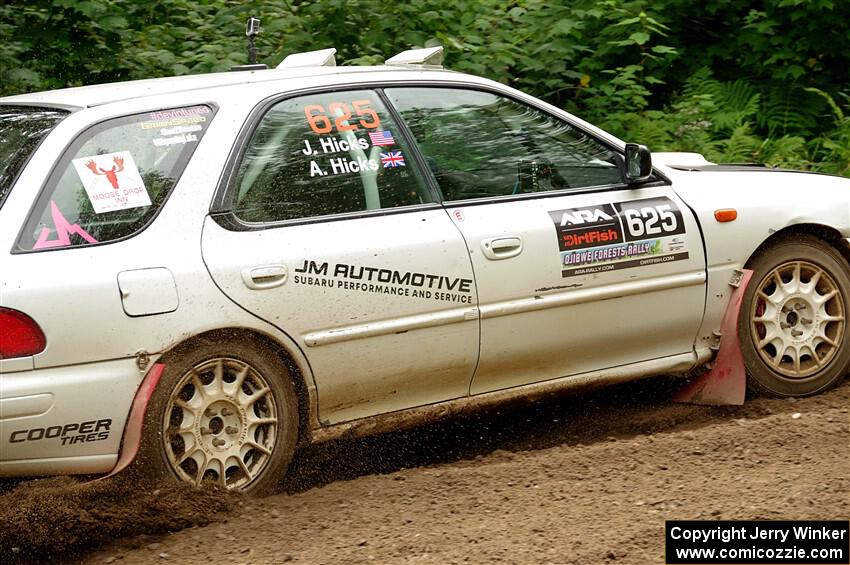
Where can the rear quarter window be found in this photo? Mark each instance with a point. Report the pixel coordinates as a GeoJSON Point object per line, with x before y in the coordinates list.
{"type": "Point", "coordinates": [114, 178]}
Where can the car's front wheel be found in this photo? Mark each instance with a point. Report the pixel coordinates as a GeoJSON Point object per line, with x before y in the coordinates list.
{"type": "Point", "coordinates": [223, 412]}
{"type": "Point", "coordinates": [793, 322]}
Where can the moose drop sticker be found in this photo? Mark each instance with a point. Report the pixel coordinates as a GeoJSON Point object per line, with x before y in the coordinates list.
{"type": "Point", "coordinates": [112, 181]}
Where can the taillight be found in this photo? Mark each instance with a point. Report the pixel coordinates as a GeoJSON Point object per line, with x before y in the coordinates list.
{"type": "Point", "coordinates": [20, 336]}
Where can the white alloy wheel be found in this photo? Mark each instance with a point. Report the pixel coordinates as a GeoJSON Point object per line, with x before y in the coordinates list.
{"type": "Point", "coordinates": [224, 412]}
{"type": "Point", "coordinates": [798, 319]}
{"type": "Point", "coordinates": [220, 423]}
{"type": "Point", "coordinates": [793, 322]}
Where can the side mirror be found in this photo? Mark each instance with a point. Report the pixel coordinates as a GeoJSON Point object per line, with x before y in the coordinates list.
{"type": "Point", "coordinates": [638, 163]}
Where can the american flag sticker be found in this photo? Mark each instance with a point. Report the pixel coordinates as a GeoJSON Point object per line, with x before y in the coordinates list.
{"type": "Point", "coordinates": [392, 159]}
{"type": "Point", "coordinates": [382, 138]}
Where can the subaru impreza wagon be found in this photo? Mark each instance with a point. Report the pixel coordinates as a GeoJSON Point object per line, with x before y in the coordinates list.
{"type": "Point", "coordinates": [216, 269]}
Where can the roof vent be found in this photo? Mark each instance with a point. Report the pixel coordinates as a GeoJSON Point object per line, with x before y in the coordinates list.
{"type": "Point", "coordinates": [320, 58]}
{"type": "Point", "coordinates": [428, 57]}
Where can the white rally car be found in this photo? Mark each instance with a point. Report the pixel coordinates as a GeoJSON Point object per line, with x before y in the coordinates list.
{"type": "Point", "coordinates": [284, 256]}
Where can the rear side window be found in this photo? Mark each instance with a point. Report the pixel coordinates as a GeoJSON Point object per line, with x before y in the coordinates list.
{"type": "Point", "coordinates": [21, 130]}
{"type": "Point", "coordinates": [322, 154]}
{"type": "Point", "coordinates": [114, 178]}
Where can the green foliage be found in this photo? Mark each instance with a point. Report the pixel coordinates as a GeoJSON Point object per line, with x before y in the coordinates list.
{"type": "Point", "coordinates": [738, 80]}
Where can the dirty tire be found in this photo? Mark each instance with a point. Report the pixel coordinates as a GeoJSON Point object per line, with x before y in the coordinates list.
{"type": "Point", "coordinates": [223, 411]}
{"type": "Point", "coordinates": [793, 323]}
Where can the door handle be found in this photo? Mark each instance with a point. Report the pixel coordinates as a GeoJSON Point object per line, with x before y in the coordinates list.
{"type": "Point", "coordinates": [266, 276]}
{"type": "Point", "coordinates": [503, 247]}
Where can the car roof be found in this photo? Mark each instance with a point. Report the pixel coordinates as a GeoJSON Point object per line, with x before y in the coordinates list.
{"type": "Point", "coordinates": [102, 94]}
{"type": "Point", "coordinates": [98, 94]}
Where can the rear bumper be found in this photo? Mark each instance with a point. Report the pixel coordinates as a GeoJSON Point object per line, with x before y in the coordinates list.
{"type": "Point", "coordinates": [65, 419]}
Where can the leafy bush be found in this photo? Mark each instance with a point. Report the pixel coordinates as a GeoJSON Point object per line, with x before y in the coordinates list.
{"type": "Point", "coordinates": [738, 80]}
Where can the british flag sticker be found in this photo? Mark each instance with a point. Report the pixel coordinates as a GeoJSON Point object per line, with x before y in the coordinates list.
{"type": "Point", "coordinates": [392, 159]}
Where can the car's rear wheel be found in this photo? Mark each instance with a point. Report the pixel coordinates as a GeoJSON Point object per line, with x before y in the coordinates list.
{"type": "Point", "coordinates": [793, 323]}
{"type": "Point", "coordinates": [223, 412]}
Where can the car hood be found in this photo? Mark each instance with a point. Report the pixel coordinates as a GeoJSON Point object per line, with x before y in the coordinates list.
{"type": "Point", "coordinates": [679, 160]}
{"type": "Point", "coordinates": [684, 161]}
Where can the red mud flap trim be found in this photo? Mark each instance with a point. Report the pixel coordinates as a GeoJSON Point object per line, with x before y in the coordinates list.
{"type": "Point", "coordinates": [726, 382]}
{"type": "Point", "coordinates": [133, 427]}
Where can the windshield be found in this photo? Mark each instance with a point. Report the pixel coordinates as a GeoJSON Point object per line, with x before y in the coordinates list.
{"type": "Point", "coordinates": [21, 130]}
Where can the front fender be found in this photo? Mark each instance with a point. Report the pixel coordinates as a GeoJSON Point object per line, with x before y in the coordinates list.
{"type": "Point", "coordinates": [767, 201]}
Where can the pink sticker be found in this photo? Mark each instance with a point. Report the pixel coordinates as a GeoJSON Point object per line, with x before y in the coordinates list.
{"type": "Point", "coordinates": [179, 113]}
{"type": "Point", "coordinates": [176, 117]}
{"type": "Point", "coordinates": [64, 229]}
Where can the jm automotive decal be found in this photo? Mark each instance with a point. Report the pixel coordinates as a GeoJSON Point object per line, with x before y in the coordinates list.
{"type": "Point", "coordinates": [620, 235]}
{"type": "Point", "coordinates": [384, 281]}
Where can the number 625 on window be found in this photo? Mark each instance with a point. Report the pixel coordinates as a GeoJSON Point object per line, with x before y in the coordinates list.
{"type": "Point", "coordinates": [339, 115]}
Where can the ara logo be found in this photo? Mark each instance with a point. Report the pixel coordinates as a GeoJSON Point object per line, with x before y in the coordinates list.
{"type": "Point", "coordinates": [584, 216]}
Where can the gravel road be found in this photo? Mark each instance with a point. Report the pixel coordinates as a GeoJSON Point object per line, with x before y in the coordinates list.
{"type": "Point", "coordinates": [588, 479]}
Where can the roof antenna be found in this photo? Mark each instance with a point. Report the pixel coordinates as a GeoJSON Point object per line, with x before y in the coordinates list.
{"type": "Point", "coordinates": [252, 30]}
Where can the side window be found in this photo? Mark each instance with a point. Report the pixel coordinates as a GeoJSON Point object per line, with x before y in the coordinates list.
{"type": "Point", "coordinates": [21, 130]}
{"type": "Point", "coordinates": [326, 153]}
{"type": "Point", "coordinates": [480, 144]}
{"type": "Point", "coordinates": [114, 178]}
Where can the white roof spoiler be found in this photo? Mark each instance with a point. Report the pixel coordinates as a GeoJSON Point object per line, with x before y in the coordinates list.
{"type": "Point", "coordinates": [320, 58]}
{"type": "Point", "coordinates": [429, 57]}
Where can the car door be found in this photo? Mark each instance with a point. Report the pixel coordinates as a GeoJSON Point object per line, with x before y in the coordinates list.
{"type": "Point", "coordinates": [328, 229]}
{"type": "Point", "coordinates": [576, 271]}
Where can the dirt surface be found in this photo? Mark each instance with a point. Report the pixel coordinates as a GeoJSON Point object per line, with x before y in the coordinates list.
{"type": "Point", "coordinates": [582, 480]}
